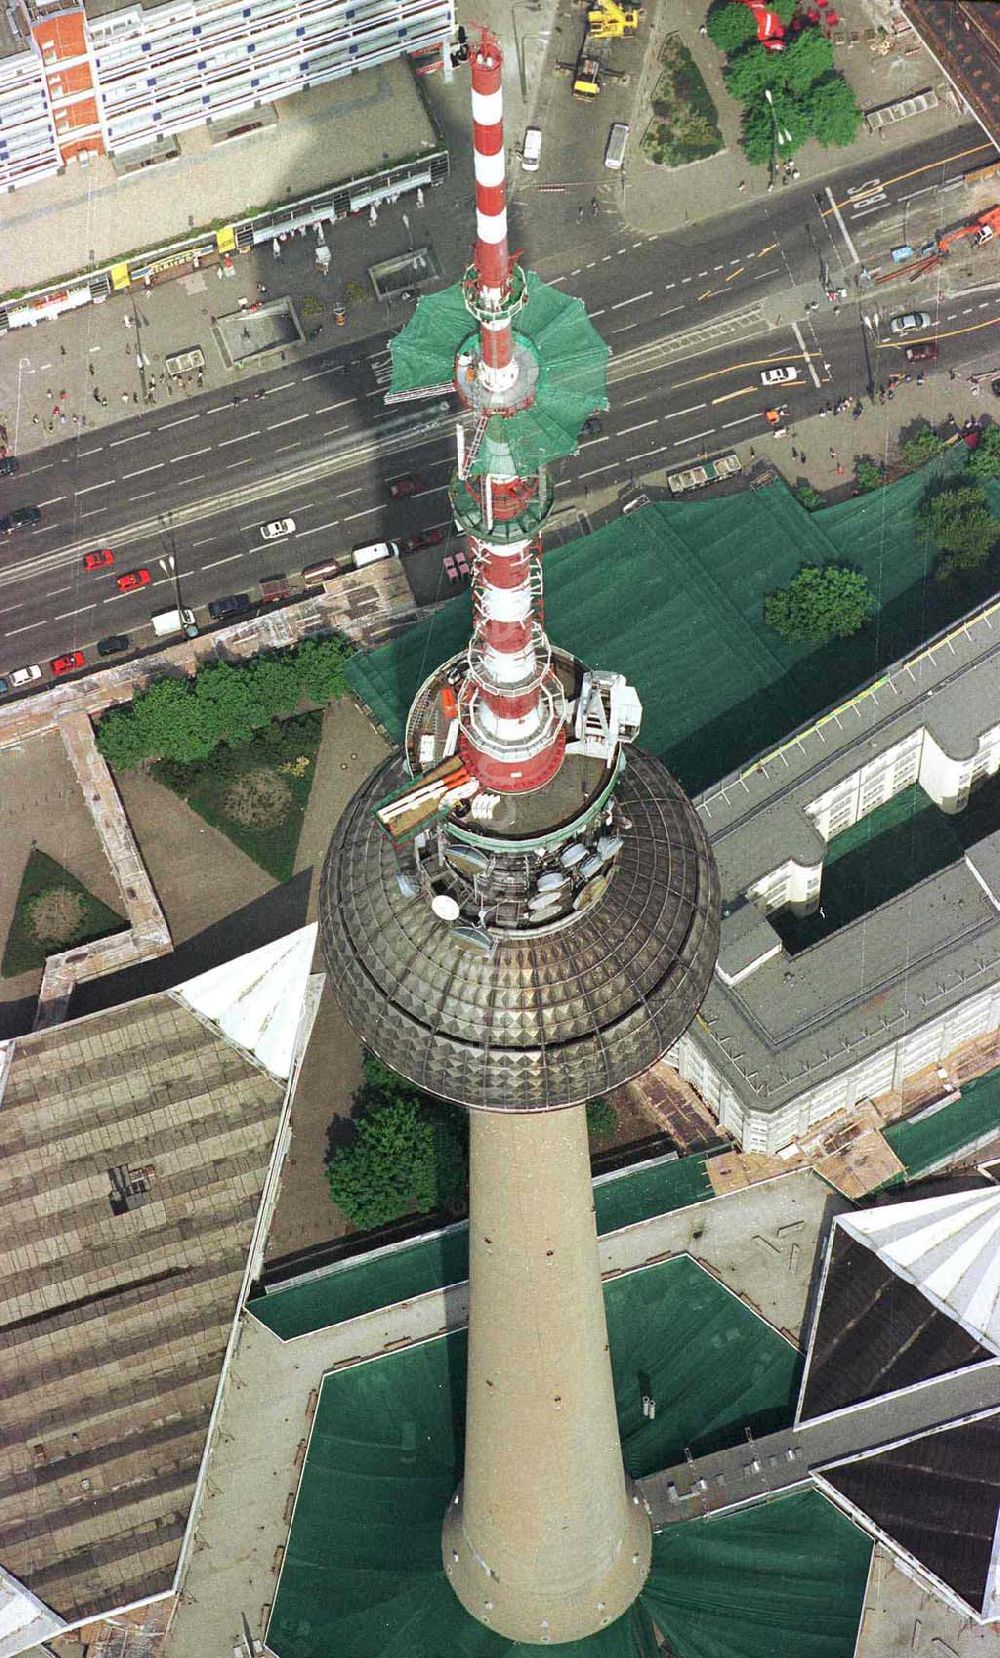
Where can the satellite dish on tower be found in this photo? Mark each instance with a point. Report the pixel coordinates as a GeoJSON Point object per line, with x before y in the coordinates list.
{"type": "Point", "coordinates": [445, 907]}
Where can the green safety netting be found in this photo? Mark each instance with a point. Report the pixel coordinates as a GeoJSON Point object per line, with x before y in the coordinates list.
{"type": "Point", "coordinates": [971, 1120]}
{"type": "Point", "coordinates": [784, 1579]}
{"type": "Point", "coordinates": [572, 363]}
{"type": "Point", "coordinates": [350, 1288]}
{"type": "Point", "coordinates": [362, 1574]}
{"type": "Point", "coordinates": [672, 596]}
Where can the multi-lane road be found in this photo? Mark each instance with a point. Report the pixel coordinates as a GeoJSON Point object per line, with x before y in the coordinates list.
{"type": "Point", "coordinates": [693, 322]}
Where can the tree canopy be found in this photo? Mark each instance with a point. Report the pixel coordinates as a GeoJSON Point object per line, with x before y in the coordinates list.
{"type": "Point", "coordinates": [820, 603]}
{"type": "Point", "coordinates": [984, 461]}
{"type": "Point", "coordinates": [806, 58]}
{"type": "Point", "coordinates": [730, 27]}
{"type": "Point", "coordinates": [921, 446]}
{"type": "Point", "coordinates": [868, 473]}
{"type": "Point", "coordinates": [958, 520]}
{"type": "Point", "coordinates": [810, 99]}
{"type": "Point", "coordinates": [831, 111]}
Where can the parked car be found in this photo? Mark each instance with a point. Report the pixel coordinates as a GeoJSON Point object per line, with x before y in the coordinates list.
{"type": "Point", "coordinates": [67, 663]}
{"type": "Point", "coordinates": [779, 376]}
{"type": "Point", "coordinates": [591, 426]}
{"type": "Point", "coordinates": [995, 387]}
{"type": "Point", "coordinates": [635, 502]}
{"type": "Point", "coordinates": [98, 560]}
{"type": "Point", "coordinates": [133, 579]}
{"type": "Point", "coordinates": [9, 464]}
{"type": "Point", "coordinates": [4, 686]}
{"type": "Point", "coordinates": [273, 588]}
{"type": "Point", "coordinates": [113, 645]}
{"type": "Point", "coordinates": [909, 323]}
{"type": "Point", "coordinates": [401, 489]}
{"type": "Point", "coordinates": [326, 569]}
{"type": "Point", "coordinates": [531, 149]}
{"type": "Point", "coordinates": [231, 604]}
{"type": "Point", "coordinates": [423, 538]}
{"type": "Point", "coordinates": [924, 352]}
{"type": "Point", "coordinates": [24, 676]}
{"type": "Point", "coordinates": [278, 529]}
{"type": "Point", "coordinates": [22, 518]}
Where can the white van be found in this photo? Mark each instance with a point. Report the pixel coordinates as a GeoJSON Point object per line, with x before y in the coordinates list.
{"type": "Point", "coordinates": [614, 150]}
{"type": "Point", "coordinates": [531, 149]}
{"type": "Point", "coordinates": [371, 555]}
{"type": "Point", "coordinates": [167, 622]}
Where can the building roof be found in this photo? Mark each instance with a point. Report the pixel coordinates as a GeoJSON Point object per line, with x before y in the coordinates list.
{"type": "Point", "coordinates": [257, 1000]}
{"type": "Point", "coordinates": [134, 1147]}
{"type": "Point", "coordinates": [965, 40]}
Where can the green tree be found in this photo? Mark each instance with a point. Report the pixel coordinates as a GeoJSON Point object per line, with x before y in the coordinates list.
{"type": "Point", "coordinates": [957, 519]}
{"type": "Point", "coordinates": [785, 9]}
{"type": "Point", "coordinates": [921, 447]}
{"type": "Point", "coordinates": [602, 1121]}
{"type": "Point", "coordinates": [808, 497]}
{"type": "Point", "coordinates": [406, 1154]}
{"type": "Point", "coordinates": [984, 461]}
{"type": "Point", "coordinates": [820, 603]}
{"type": "Point", "coordinates": [761, 127]}
{"type": "Point", "coordinates": [320, 665]}
{"type": "Point", "coordinates": [120, 740]}
{"type": "Point", "coordinates": [730, 27]}
{"type": "Point", "coordinates": [868, 474]}
{"type": "Point", "coordinates": [808, 57]}
{"type": "Point", "coordinates": [172, 723]}
{"type": "Point", "coordinates": [831, 111]}
{"type": "Point", "coordinates": [274, 683]}
{"type": "Point", "coordinates": [224, 694]}
{"type": "Point", "coordinates": [750, 71]}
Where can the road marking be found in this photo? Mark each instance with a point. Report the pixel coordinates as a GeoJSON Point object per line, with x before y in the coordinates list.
{"type": "Point", "coordinates": [157, 467]}
{"type": "Point", "coordinates": [65, 615]}
{"type": "Point", "coordinates": [702, 273]}
{"type": "Point", "coordinates": [220, 408]}
{"type": "Point", "coordinates": [91, 487]}
{"type": "Point", "coordinates": [694, 437]}
{"type": "Point", "coordinates": [763, 275]}
{"type": "Point", "coordinates": [167, 424]}
{"type": "Point", "coordinates": [282, 387]}
{"type": "Point", "coordinates": [669, 286]}
{"type": "Point", "coordinates": [680, 412]}
{"type": "Point", "coordinates": [927, 166]}
{"type": "Point", "coordinates": [727, 396]}
{"type": "Point", "coordinates": [92, 513]}
{"type": "Point", "coordinates": [554, 281]}
{"type": "Point", "coordinates": [144, 496]}
{"type": "Point", "coordinates": [53, 591]}
{"type": "Point", "coordinates": [807, 356]}
{"type": "Point", "coordinates": [26, 629]}
{"type": "Point", "coordinates": [835, 210]}
{"type": "Point", "coordinates": [204, 541]}
{"type": "Point", "coordinates": [863, 212]}
{"type": "Point", "coordinates": [227, 443]}
{"type": "Point", "coordinates": [345, 494]}
{"type": "Point", "coordinates": [84, 452]}
{"type": "Point", "coordinates": [303, 533]}
{"type": "Point", "coordinates": [633, 301]}
{"type": "Point", "coordinates": [718, 267]}
{"type": "Point", "coordinates": [363, 513]}
{"type": "Point", "coordinates": [641, 426]}
{"type": "Point", "coordinates": [618, 250]}
{"type": "Point", "coordinates": [672, 311]}
{"type": "Point", "coordinates": [626, 328]}
{"type": "Point", "coordinates": [593, 442]}
{"type": "Point", "coordinates": [706, 295]}
{"type": "Point", "coordinates": [52, 500]}
{"type": "Point", "coordinates": [596, 469]}
{"type": "Point", "coordinates": [234, 464]}
{"type": "Point", "coordinates": [686, 279]}
{"type": "Point", "coordinates": [133, 439]}
{"type": "Point", "coordinates": [734, 274]}
{"type": "Point", "coordinates": [329, 407]}
{"type": "Point", "coordinates": [190, 456]}
{"type": "Point", "coordinates": [291, 421]}
{"type": "Point", "coordinates": [284, 447]}
{"type": "Point", "coordinates": [216, 562]}
{"type": "Point", "coordinates": [599, 313]}
{"type": "Point", "coordinates": [741, 422]}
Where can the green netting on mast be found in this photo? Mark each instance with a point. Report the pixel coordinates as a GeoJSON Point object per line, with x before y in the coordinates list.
{"type": "Point", "coordinates": [572, 372]}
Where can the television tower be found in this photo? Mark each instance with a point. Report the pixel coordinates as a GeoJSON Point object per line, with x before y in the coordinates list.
{"type": "Point", "coordinates": [517, 920]}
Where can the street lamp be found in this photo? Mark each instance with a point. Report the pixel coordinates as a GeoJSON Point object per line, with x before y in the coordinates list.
{"type": "Point", "coordinates": [781, 134]}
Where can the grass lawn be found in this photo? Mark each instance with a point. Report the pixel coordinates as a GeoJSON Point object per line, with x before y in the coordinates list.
{"type": "Point", "coordinates": [684, 125]}
{"type": "Point", "coordinates": [256, 795]}
{"type": "Point", "coordinates": [53, 912]}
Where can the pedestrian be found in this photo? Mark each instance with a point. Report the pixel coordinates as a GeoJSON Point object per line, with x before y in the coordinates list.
{"type": "Point", "coordinates": [62, 394]}
{"type": "Point", "coordinates": [261, 288]}
{"type": "Point", "coordinates": [50, 392]}
{"type": "Point", "coordinates": [35, 420]}
{"type": "Point", "coordinates": [753, 452]}
{"type": "Point", "coordinates": [135, 397]}
{"type": "Point", "coordinates": [56, 409]}
{"type": "Point", "coordinates": [742, 185]}
{"type": "Point", "coordinates": [124, 396]}
{"type": "Point", "coordinates": [593, 207]}
{"type": "Point", "coordinates": [579, 212]}
{"type": "Point", "coordinates": [96, 395]}
{"type": "Point", "coordinates": [62, 351]}
{"type": "Point", "coordinates": [91, 370]}
{"type": "Point", "coordinates": [128, 351]}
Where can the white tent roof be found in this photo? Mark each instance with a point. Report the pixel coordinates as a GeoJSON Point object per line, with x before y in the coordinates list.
{"type": "Point", "coordinates": [257, 999]}
{"type": "Point", "coordinates": [949, 1247]}
{"type": "Point", "coordinates": [24, 1619]}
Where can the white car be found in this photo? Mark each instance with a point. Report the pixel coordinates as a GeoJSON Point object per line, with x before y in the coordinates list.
{"type": "Point", "coordinates": [24, 676]}
{"type": "Point", "coordinates": [909, 323]}
{"type": "Point", "coordinates": [634, 503]}
{"type": "Point", "coordinates": [778, 376]}
{"type": "Point", "coordinates": [531, 149]}
{"type": "Point", "coordinates": [278, 530]}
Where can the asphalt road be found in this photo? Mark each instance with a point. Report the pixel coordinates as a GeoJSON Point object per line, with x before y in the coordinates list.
{"type": "Point", "coordinates": [693, 321]}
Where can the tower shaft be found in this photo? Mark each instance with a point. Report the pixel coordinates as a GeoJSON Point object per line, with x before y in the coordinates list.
{"type": "Point", "coordinates": [544, 1541]}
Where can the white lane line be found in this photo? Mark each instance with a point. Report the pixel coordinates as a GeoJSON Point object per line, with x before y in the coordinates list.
{"type": "Point", "coordinates": [145, 496]}
{"type": "Point", "coordinates": [52, 500]}
{"type": "Point", "coordinates": [796, 330]}
{"type": "Point", "coordinates": [579, 268]}
{"type": "Point", "coordinates": [91, 487]}
{"type": "Point", "coordinates": [345, 494]}
{"type": "Point", "coordinates": [669, 286]}
{"type": "Point", "coordinates": [672, 309]}
{"type": "Point", "coordinates": [117, 443]}
{"type": "Point", "coordinates": [328, 408]}
{"type": "Point", "coordinates": [292, 420]}
{"type": "Point", "coordinates": [741, 422]}
{"type": "Point", "coordinates": [641, 426]}
{"type": "Point", "coordinates": [284, 447]}
{"type": "Point", "coordinates": [282, 387]}
{"type": "Point", "coordinates": [702, 273]}
{"type": "Point", "coordinates": [596, 469]}
{"type": "Point", "coordinates": [633, 301]}
{"type": "Point", "coordinates": [244, 437]}
{"type": "Point", "coordinates": [26, 629]}
{"type": "Point", "coordinates": [637, 244]}
{"type": "Point", "coordinates": [234, 464]}
{"type": "Point", "coordinates": [863, 212]}
{"type": "Point", "coordinates": [679, 412]}
{"type": "Point", "coordinates": [167, 424]}
{"type": "Point", "coordinates": [627, 404]}
{"type": "Point", "coordinates": [220, 408]}
{"type": "Point", "coordinates": [318, 375]}
{"type": "Point", "coordinates": [363, 513]}
{"type": "Point", "coordinates": [718, 267]}
{"type": "Point", "coordinates": [92, 513]}
{"type": "Point", "coordinates": [190, 456]}
{"type": "Point", "coordinates": [65, 615]}
{"type": "Point", "coordinates": [303, 533]}
{"type": "Point", "coordinates": [204, 541]}
{"type": "Point", "coordinates": [852, 250]}
{"type": "Point", "coordinates": [590, 264]}
{"type": "Point", "coordinates": [626, 328]}
{"type": "Point", "coordinates": [84, 452]}
{"type": "Point", "coordinates": [158, 467]}
{"type": "Point", "coordinates": [592, 443]}
{"type": "Point", "coordinates": [604, 258]}
{"type": "Point", "coordinates": [216, 562]}
{"type": "Point", "coordinates": [733, 262]}
{"type": "Point", "coordinates": [195, 477]}
{"type": "Point", "coordinates": [599, 313]}
{"type": "Point", "coordinates": [53, 591]}
{"type": "Point", "coordinates": [644, 454]}
{"type": "Point", "coordinates": [621, 250]}
{"type": "Point", "coordinates": [694, 437]}
{"type": "Point", "coordinates": [686, 279]}
{"type": "Point", "coordinates": [554, 281]}
{"type": "Point", "coordinates": [763, 275]}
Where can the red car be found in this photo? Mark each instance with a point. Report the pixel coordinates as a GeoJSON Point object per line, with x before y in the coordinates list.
{"type": "Point", "coordinates": [409, 484]}
{"type": "Point", "coordinates": [133, 579]}
{"type": "Point", "coordinates": [924, 352]}
{"type": "Point", "coordinates": [67, 664]}
{"type": "Point", "coordinates": [99, 560]}
{"type": "Point", "coordinates": [423, 538]}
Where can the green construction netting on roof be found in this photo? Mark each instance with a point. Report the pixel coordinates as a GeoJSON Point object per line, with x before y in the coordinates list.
{"type": "Point", "coordinates": [362, 1574]}
{"type": "Point", "coordinates": [672, 596]}
{"type": "Point", "coordinates": [785, 1579]}
{"type": "Point", "coordinates": [957, 1127]}
{"type": "Point", "coordinates": [572, 364]}
{"type": "Point", "coordinates": [351, 1288]}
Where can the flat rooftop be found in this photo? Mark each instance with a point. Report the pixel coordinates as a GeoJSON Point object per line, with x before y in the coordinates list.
{"type": "Point", "coordinates": [113, 1319]}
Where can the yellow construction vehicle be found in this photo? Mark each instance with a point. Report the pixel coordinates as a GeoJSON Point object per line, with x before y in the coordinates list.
{"type": "Point", "coordinates": [610, 21]}
{"type": "Point", "coordinates": [586, 77]}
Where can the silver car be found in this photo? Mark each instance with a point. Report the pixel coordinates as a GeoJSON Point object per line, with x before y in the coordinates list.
{"type": "Point", "coordinates": [910, 322]}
